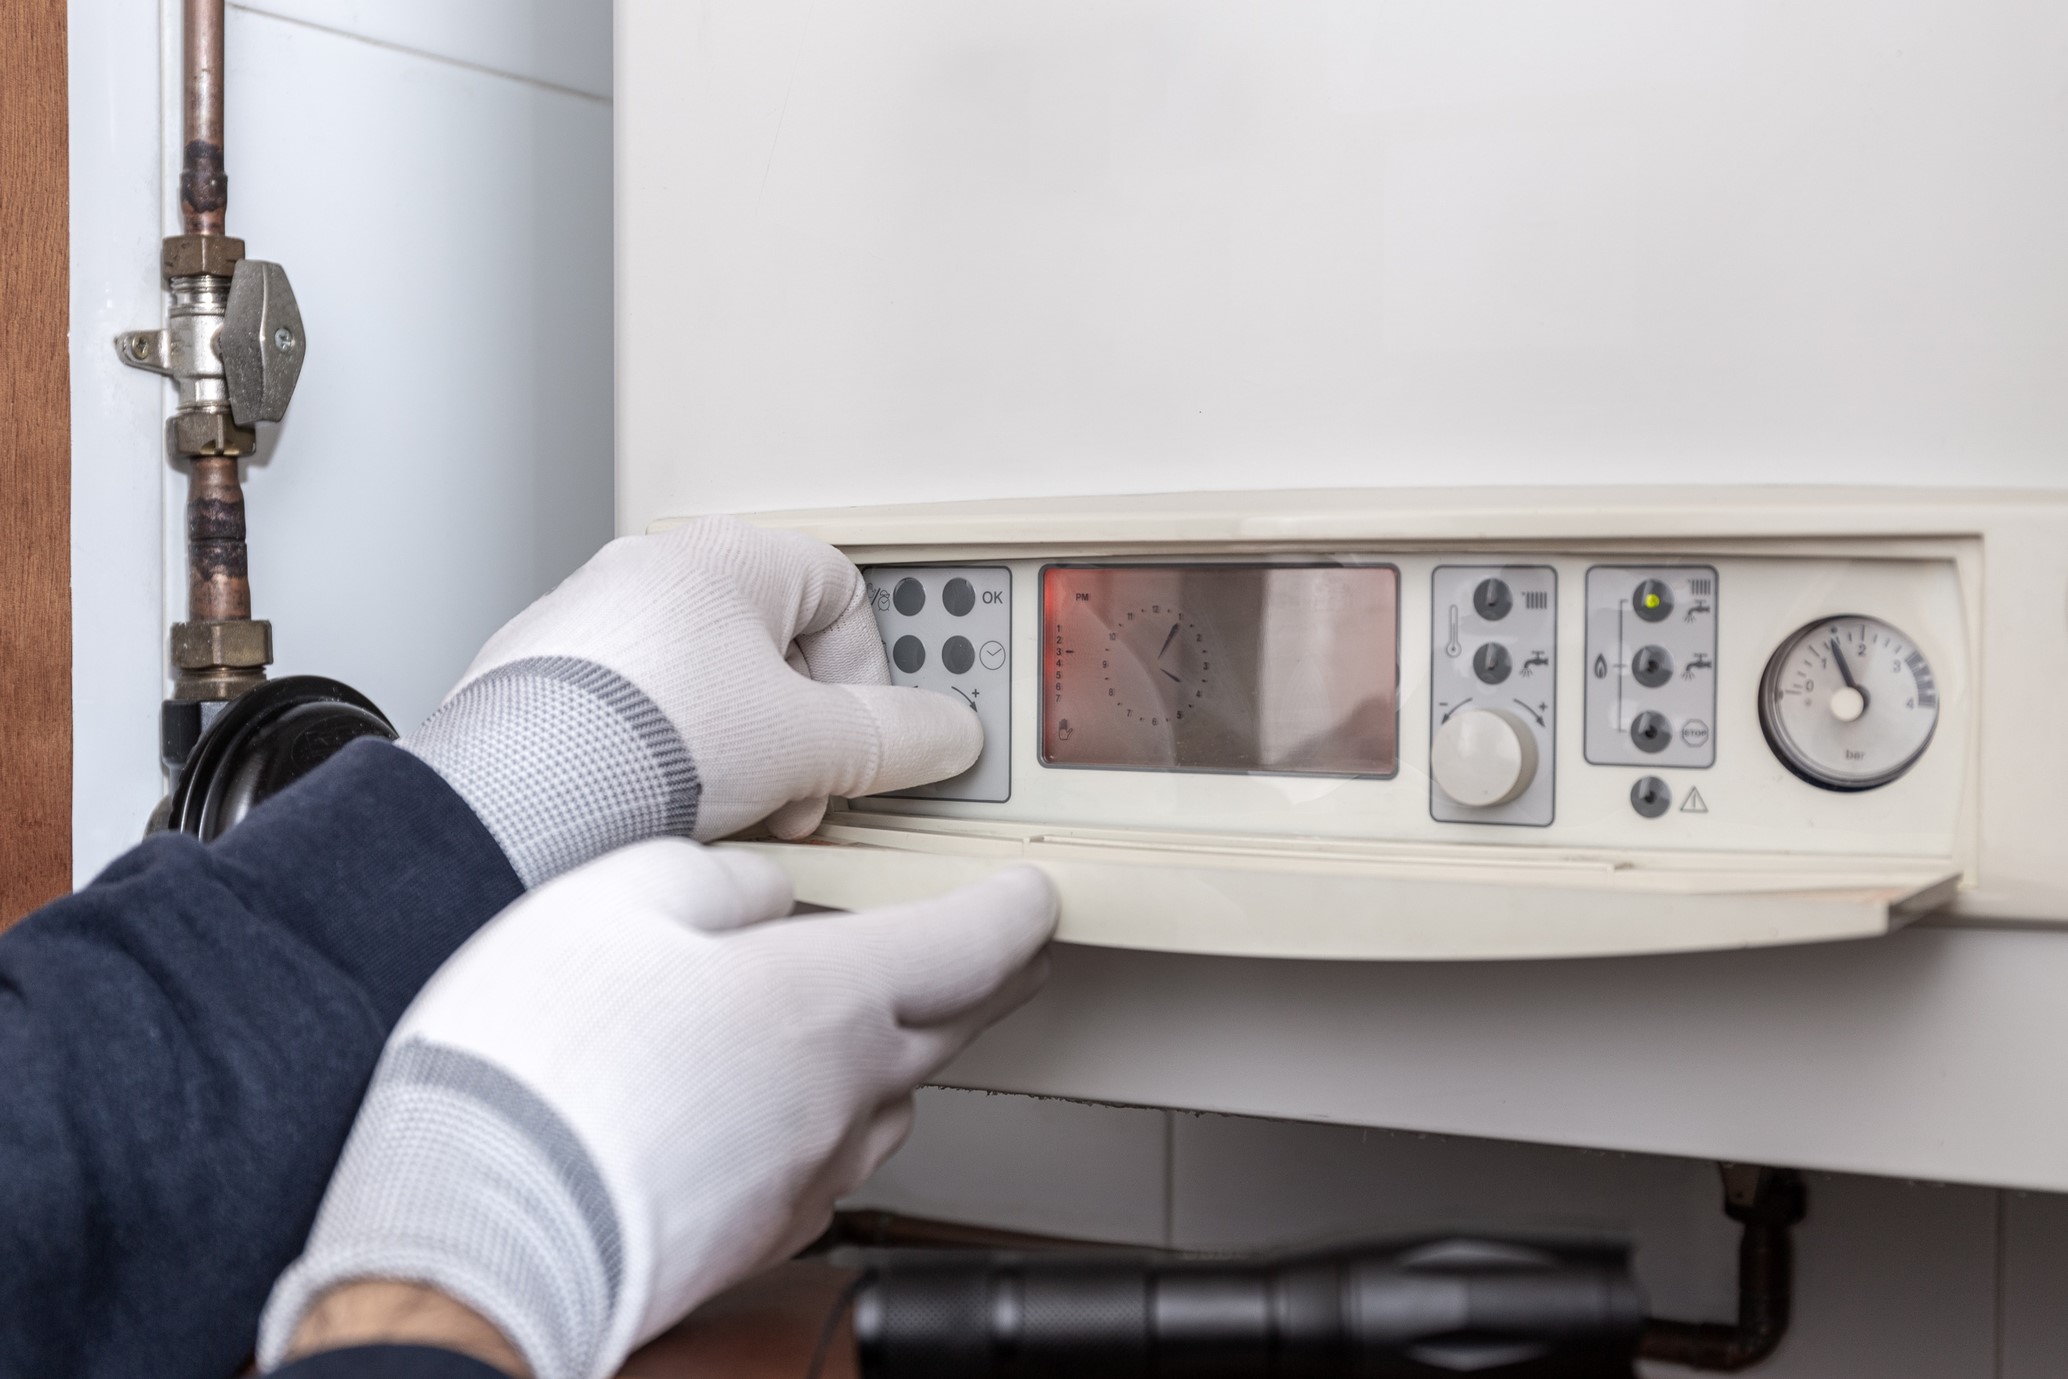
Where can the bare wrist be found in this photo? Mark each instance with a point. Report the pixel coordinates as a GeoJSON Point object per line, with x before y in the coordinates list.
{"type": "Point", "coordinates": [379, 1312]}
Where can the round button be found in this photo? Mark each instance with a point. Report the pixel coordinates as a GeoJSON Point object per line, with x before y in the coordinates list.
{"type": "Point", "coordinates": [992, 654]}
{"type": "Point", "coordinates": [957, 654]}
{"type": "Point", "coordinates": [1492, 600]}
{"type": "Point", "coordinates": [1651, 797]}
{"type": "Point", "coordinates": [958, 596]}
{"type": "Point", "coordinates": [1652, 666]}
{"type": "Point", "coordinates": [1491, 663]}
{"type": "Point", "coordinates": [1651, 732]}
{"type": "Point", "coordinates": [1483, 757]}
{"type": "Point", "coordinates": [908, 598]}
{"type": "Point", "coordinates": [1653, 601]}
{"type": "Point", "coordinates": [909, 654]}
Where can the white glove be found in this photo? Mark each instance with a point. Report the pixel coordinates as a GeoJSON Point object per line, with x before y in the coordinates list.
{"type": "Point", "coordinates": [638, 1086]}
{"type": "Point", "coordinates": [690, 683]}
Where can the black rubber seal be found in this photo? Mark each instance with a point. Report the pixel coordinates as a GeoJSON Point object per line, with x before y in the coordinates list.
{"type": "Point", "coordinates": [265, 741]}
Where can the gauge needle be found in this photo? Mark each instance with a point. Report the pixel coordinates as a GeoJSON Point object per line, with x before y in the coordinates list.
{"type": "Point", "coordinates": [1166, 643]}
{"type": "Point", "coordinates": [1174, 678]}
{"type": "Point", "coordinates": [1845, 672]}
{"type": "Point", "coordinates": [1849, 703]}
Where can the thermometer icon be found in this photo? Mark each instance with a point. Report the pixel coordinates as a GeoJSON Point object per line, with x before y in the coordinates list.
{"type": "Point", "coordinates": [1451, 647]}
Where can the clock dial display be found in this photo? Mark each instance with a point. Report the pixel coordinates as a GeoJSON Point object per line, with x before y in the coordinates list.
{"type": "Point", "coordinates": [1270, 668]}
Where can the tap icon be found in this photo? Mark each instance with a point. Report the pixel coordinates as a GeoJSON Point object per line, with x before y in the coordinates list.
{"type": "Point", "coordinates": [1697, 662]}
{"type": "Point", "coordinates": [1536, 658]}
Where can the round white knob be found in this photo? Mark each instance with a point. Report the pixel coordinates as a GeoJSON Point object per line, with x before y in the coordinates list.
{"type": "Point", "coordinates": [1847, 704]}
{"type": "Point", "coordinates": [1483, 757]}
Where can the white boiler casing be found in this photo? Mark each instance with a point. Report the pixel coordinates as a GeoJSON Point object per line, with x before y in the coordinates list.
{"type": "Point", "coordinates": [1575, 291]}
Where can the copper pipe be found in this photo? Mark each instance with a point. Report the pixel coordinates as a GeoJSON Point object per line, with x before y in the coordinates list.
{"type": "Point", "coordinates": [204, 187]}
{"type": "Point", "coordinates": [218, 577]}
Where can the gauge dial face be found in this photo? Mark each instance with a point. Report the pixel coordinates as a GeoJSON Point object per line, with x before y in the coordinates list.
{"type": "Point", "coordinates": [1849, 703]}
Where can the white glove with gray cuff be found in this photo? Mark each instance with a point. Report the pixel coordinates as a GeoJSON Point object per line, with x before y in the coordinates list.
{"type": "Point", "coordinates": [691, 683]}
{"type": "Point", "coordinates": [641, 1084]}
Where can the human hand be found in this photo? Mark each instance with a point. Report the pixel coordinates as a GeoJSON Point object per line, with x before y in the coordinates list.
{"type": "Point", "coordinates": [690, 683]}
{"type": "Point", "coordinates": [580, 1130]}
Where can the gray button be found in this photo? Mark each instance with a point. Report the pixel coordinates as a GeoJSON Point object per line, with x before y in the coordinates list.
{"type": "Point", "coordinates": [956, 653]}
{"type": "Point", "coordinates": [909, 598]}
{"type": "Point", "coordinates": [1492, 599]}
{"type": "Point", "coordinates": [1652, 666]}
{"type": "Point", "coordinates": [1491, 663]}
{"type": "Point", "coordinates": [1653, 601]}
{"type": "Point", "coordinates": [958, 596]}
{"type": "Point", "coordinates": [909, 653]}
{"type": "Point", "coordinates": [1650, 797]}
{"type": "Point", "coordinates": [1651, 732]}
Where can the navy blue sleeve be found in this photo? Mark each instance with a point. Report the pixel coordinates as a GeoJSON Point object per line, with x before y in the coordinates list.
{"type": "Point", "coordinates": [389, 1362]}
{"type": "Point", "coordinates": [183, 1045]}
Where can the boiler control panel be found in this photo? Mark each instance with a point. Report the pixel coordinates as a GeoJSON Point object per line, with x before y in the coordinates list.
{"type": "Point", "coordinates": [1383, 726]}
{"type": "Point", "coordinates": [1290, 675]}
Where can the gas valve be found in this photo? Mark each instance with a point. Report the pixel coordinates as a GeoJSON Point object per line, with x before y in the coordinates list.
{"type": "Point", "coordinates": [233, 339]}
{"type": "Point", "coordinates": [260, 342]}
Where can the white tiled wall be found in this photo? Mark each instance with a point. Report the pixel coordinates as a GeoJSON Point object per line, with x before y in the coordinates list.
{"type": "Point", "coordinates": [2033, 1319]}
{"type": "Point", "coordinates": [1894, 1280]}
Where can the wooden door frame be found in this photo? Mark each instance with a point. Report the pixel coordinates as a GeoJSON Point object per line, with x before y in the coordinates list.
{"type": "Point", "coordinates": [35, 461]}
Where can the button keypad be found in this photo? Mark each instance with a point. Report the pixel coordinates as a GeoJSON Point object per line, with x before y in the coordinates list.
{"type": "Point", "coordinates": [1651, 665]}
{"type": "Point", "coordinates": [947, 629]}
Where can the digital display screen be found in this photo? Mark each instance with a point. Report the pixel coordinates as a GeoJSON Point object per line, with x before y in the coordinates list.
{"type": "Point", "coordinates": [1289, 669]}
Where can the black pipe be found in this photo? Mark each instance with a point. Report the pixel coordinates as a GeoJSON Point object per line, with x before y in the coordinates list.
{"type": "Point", "coordinates": [1768, 1203]}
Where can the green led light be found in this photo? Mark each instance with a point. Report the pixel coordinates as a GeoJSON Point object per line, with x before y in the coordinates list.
{"type": "Point", "coordinates": [1651, 600]}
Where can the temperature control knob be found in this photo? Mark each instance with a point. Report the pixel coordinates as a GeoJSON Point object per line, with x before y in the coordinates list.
{"type": "Point", "coordinates": [1483, 757]}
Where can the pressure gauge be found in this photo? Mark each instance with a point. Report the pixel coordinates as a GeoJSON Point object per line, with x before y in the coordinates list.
{"type": "Point", "coordinates": [1848, 703]}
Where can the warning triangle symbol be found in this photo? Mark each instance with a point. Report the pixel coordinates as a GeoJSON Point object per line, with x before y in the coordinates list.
{"type": "Point", "coordinates": [1694, 804]}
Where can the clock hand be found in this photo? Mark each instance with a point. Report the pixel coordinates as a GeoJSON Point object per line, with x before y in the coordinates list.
{"type": "Point", "coordinates": [1166, 643]}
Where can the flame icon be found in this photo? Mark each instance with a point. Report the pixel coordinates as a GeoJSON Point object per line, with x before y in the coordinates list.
{"type": "Point", "coordinates": [1601, 667]}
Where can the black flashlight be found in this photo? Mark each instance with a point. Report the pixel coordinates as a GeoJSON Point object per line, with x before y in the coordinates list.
{"type": "Point", "coordinates": [1428, 1307]}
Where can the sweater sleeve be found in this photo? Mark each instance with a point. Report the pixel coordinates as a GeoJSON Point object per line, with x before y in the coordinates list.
{"type": "Point", "coordinates": [389, 1362]}
{"type": "Point", "coordinates": [183, 1045]}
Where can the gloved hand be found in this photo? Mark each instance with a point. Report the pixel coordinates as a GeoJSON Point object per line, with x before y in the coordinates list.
{"type": "Point", "coordinates": [638, 1086]}
{"type": "Point", "coordinates": [689, 683]}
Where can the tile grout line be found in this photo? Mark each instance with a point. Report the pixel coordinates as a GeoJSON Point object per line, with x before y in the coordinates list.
{"type": "Point", "coordinates": [1170, 1180]}
{"type": "Point", "coordinates": [394, 47]}
{"type": "Point", "coordinates": [1996, 1292]}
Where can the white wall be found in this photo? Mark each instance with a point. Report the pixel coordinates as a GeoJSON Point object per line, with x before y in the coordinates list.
{"type": "Point", "coordinates": [436, 178]}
